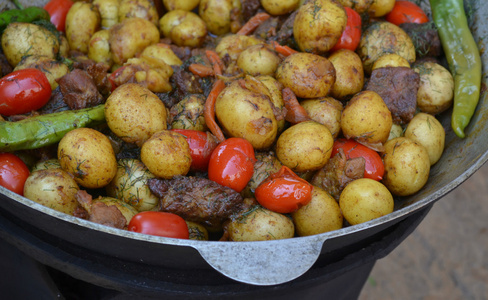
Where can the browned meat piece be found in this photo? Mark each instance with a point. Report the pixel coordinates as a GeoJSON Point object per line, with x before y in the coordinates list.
{"type": "Point", "coordinates": [5, 67]}
{"type": "Point", "coordinates": [99, 212]}
{"type": "Point", "coordinates": [183, 53]}
{"type": "Point", "coordinates": [55, 103]}
{"type": "Point", "coordinates": [425, 38]}
{"type": "Point", "coordinates": [267, 29]}
{"type": "Point", "coordinates": [285, 33]}
{"type": "Point", "coordinates": [79, 90]}
{"type": "Point", "coordinates": [249, 8]}
{"type": "Point", "coordinates": [338, 172]}
{"type": "Point", "coordinates": [99, 73]}
{"type": "Point", "coordinates": [398, 88]}
{"type": "Point", "coordinates": [197, 199]}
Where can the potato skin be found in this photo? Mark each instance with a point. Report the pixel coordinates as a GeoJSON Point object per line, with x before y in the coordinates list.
{"type": "Point", "coordinates": [143, 9]}
{"type": "Point", "coordinates": [88, 155]}
{"type": "Point", "coordinates": [216, 14]}
{"type": "Point", "coordinates": [321, 214]}
{"type": "Point", "coordinates": [184, 28]}
{"type": "Point", "coordinates": [407, 166]}
{"type": "Point", "coordinates": [134, 113]}
{"type": "Point", "coordinates": [166, 154]}
{"type": "Point", "coordinates": [82, 21]}
{"type": "Point", "coordinates": [365, 199]}
{"type": "Point", "coordinates": [187, 5]}
{"type": "Point", "coordinates": [99, 47]}
{"type": "Point", "coordinates": [305, 146]}
{"type": "Point", "coordinates": [258, 60]}
{"type": "Point", "coordinates": [307, 75]}
{"type": "Point", "coordinates": [360, 6]}
{"type": "Point", "coordinates": [326, 111]}
{"type": "Point", "coordinates": [279, 7]}
{"type": "Point", "coordinates": [52, 68]}
{"type": "Point", "coordinates": [349, 74]}
{"type": "Point", "coordinates": [188, 113]}
{"type": "Point", "coordinates": [428, 131]}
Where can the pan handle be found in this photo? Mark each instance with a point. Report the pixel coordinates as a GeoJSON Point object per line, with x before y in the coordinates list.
{"type": "Point", "coordinates": [263, 263]}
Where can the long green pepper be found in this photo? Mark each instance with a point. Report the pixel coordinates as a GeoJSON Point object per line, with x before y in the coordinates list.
{"type": "Point", "coordinates": [44, 130]}
{"type": "Point", "coordinates": [26, 15]}
{"type": "Point", "coordinates": [463, 57]}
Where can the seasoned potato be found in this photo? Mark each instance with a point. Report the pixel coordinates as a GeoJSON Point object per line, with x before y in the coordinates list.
{"type": "Point", "coordinates": [216, 14]}
{"type": "Point", "coordinates": [166, 154]}
{"type": "Point", "coordinates": [82, 21]}
{"type": "Point", "coordinates": [366, 118]}
{"type": "Point", "coordinates": [188, 113]}
{"type": "Point", "coordinates": [24, 39]}
{"type": "Point", "coordinates": [307, 75]}
{"type": "Point", "coordinates": [130, 37]}
{"type": "Point", "coordinates": [88, 155]}
{"type": "Point", "coordinates": [187, 5]}
{"type": "Point", "coordinates": [258, 60]}
{"type": "Point", "coordinates": [380, 8]}
{"type": "Point", "coordinates": [390, 60]}
{"type": "Point", "coordinates": [276, 96]}
{"type": "Point", "coordinates": [54, 188]}
{"type": "Point", "coordinates": [407, 166]}
{"type": "Point", "coordinates": [244, 110]}
{"type": "Point", "coordinates": [52, 68]}
{"type": "Point", "coordinates": [279, 7]}
{"type": "Point", "coordinates": [428, 131]}
{"type": "Point", "coordinates": [231, 46]}
{"type": "Point", "coordinates": [134, 113]}
{"type": "Point", "coordinates": [99, 47]}
{"type": "Point", "coordinates": [321, 214]}
{"type": "Point", "coordinates": [260, 224]}
{"type": "Point", "coordinates": [109, 12]}
{"type": "Point", "coordinates": [305, 146]}
{"type": "Point", "coordinates": [184, 28]}
{"type": "Point", "coordinates": [365, 199]}
{"type": "Point", "coordinates": [63, 46]}
{"type": "Point", "coordinates": [161, 52]}
{"type": "Point", "coordinates": [318, 25]}
{"type": "Point", "coordinates": [143, 9]}
{"type": "Point", "coordinates": [349, 74]}
{"type": "Point", "coordinates": [358, 5]}
{"type": "Point", "coordinates": [197, 231]}
{"type": "Point", "coordinates": [150, 72]}
{"type": "Point", "coordinates": [130, 185]}
{"type": "Point", "coordinates": [436, 90]}
{"type": "Point", "coordinates": [326, 111]}
{"type": "Point", "coordinates": [382, 38]}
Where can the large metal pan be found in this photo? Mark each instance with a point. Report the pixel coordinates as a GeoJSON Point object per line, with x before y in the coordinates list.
{"type": "Point", "coordinates": [270, 262]}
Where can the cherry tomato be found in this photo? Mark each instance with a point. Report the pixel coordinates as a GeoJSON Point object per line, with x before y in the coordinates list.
{"type": "Point", "coordinates": [58, 9]}
{"type": "Point", "coordinates": [159, 223]}
{"type": "Point", "coordinates": [283, 192]}
{"type": "Point", "coordinates": [406, 12]}
{"type": "Point", "coordinates": [201, 147]}
{"type": "Point", "coordinates": [232, 163]}
{"type": "Point", "coordinates": [13, 173]}
{"type": "Point", "coordinates": [374, 167]}
{"type": "Point", "coordinates": [352, 33]}
{"type": "Point", "coordinates": [23, 91]}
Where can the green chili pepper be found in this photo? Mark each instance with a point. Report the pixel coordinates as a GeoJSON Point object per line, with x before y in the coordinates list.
{"type": "Point", "coordinates": [43, 130]}
{"type": "Point", "coordinates": [21, 14]}
{"type": "Point", "coordinates": [463, 57]}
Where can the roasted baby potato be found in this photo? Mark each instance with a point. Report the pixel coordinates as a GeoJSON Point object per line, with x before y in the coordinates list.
{"type": "Point", "coordinates": [184, 28]}
{"type": "Point", "coordinates": [188, 113]}
{"type": "Point", "coordinates": [326, 111]}
{"type": "Point", "coordinates": [360, 6]}
{"type": "Point", "coordinates": [82, 21]}
{"type": "Point", "coordinates": [52, 68]}
{"type": "Point", "coordinates": [258, 60]}
{"type": "Point", "coordinates": [109, 12]}
{"type": "Point", "coordinates": [279, 7]}
{"type": "Point", "coordinates": [428, 131]}
{"type": "Point", "coordinates": [187, 5]}
{"type": "Point", "coordinates": [217, 15]}
{"type": "Point", "coordinates": [349, 74]}
{"type": "Point", "coordinates": [99, 47]}
{"type": "Point", "coordinates": [143, 9]}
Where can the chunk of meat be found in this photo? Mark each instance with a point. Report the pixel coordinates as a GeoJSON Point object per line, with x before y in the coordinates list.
{"type": "Point", "coordinates": [98, 212]}
{"type": "Point", "coordinates": [398, 87]}
{"type": "Point", "coordinates": [424, 37]}
{"type": "Point", "coordinates": [79, 90]}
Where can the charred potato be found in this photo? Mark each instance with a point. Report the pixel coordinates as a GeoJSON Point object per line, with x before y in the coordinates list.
{"type": "Point", "coordinates": [428, 131]}
{"type": "Point", "coordinates": [349, 74]}
{"type": "Point", "coordinates": [184, 28]}
{"type": "Point", "coordinates": [326, 111]}
{"type": "Point", "coordinates": [82, 21]}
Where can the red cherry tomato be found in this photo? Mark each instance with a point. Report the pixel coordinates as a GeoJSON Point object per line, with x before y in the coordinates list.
{"type": "Point", "coordinates": [352, 33]}
{"type": "Point", "coordinates": [58, 9]}
{"type": "Point", "coordinates": [159, 223]}
{"type": "Point", "coordinates": [374, 168]}
{"type": "Point", "coordinates": [406, 12]}
{"type": "Point", "coordinates": [23, 91]}
{"type": "Point", "coordinates": [232, 163]}
{"type": "Point", "coordinates": [283, 192]}
{"type": "Point", "coordinates": [201, 147]}
{"type": "Point", "coordinates": [13, 173]}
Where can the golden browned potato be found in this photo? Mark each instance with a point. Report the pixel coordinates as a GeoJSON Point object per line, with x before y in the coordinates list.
{"type": "Point", "coordinates": [274, 89]}
{"type": "Point", "coordinates": [184, 28]}
{"type": "Point", "coordinates": [166, 154]}
{"type": "Point", "coordinates": [52, 68]}
{"type": "Point", "coordinates": [188, 113]}
{"type": "Point", "coordinates": [318, 25]}
{"type": "Point", "coordinates": [258, 60]}
{"type": "Point", "coordinates": [305, 146]}
{"type": "Point", "coordinates": [349, 74]}
{"type": "Point", "coordinates": [436, 90]}
{"type": "Point", "coordinates": [279, 7]}
{"type": "Point", "coordinates": [326, 111]}
{"type": "Point", "coordinates": [407, 166]}
{"type": "Point", "coordinates": [365, 199]}
{"type": "Point", "coordinates": [161, 52]}
{"type": "Point", "coordinates": [321, 214]}
{"type": "Point", "coordinates": [390, 60]}
{"type": "Point", "coordinates": [358, 5]}
{"type": "Point", "coordinates": [366, 118]}
{"type": "Point", "coordinates": [231, 46]}
{"type": "Point", "coordinates": [428, 131]}
{"type": "Point", "coordinates": [109, 12]}
{"type": "Point", "coordinates": [24, 39]}
{"type": "Point", "coordinates": [244, 110]}
{"type": "Point", "coordinates": [82, 21]}
{"type": "Point", "coordinates": [63, 46]}
{"type": "Point", "coordinates": [54, 188]}
{"type": "Point", "coordinates": [260, 224]}
{"type": "Point", "coordinates": [380, 8]}
{"type": "Point", "coordinates": [134, 113]}
{"type": "Point", "coordinates": [130, 185]}
{"type": "Point", "coordinates": [99, 47]}
{"type": "Point", "coordinates": [130, 37]}
{"type": "Point", "coordinates": [187, 5]}
{"type": "Point", "coordinates": [307, 75]}
{"type": "Point", "coordinates": [197, 231]}
{"type": "Point", "coordinates": [88, 155]}
{"type": "Point", "coordinates": [382, 38]}
{"type": "Point", "coordinates": [217, 15]}
{"type": "Point", "coordinates": [150, 72]}
{"type": "Point", "coordinates": [143, 9]}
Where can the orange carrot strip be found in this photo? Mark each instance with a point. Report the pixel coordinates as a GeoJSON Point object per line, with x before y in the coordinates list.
{"type": "Point", "coordinates": [282, 49]}
{"type": "Point", "coordinates": [209, 110]}
{"type": "Point", "coordinates": [201, 70]}
{"type": "Point", "coordinates": [253, 23]}
{"type": "Point", "coordinates": [217, 63]}
{"type": "Point", "coordinates": [295, 113]}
